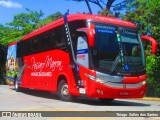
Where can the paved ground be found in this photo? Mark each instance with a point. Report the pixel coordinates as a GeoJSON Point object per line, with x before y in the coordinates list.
{"type": "Point", "coordinates": [30, 100]}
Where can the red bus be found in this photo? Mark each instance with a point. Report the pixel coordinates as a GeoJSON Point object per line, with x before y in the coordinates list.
{"type": "Point", "coordinates": [80, 55]}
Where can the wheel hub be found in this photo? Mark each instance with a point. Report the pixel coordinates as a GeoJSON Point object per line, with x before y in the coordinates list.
{"type": "Point", "coordinates": [64, 90]}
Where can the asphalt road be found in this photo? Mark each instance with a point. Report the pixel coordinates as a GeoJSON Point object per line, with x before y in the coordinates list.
{"type": "Point", "coordinates": [32, 100]}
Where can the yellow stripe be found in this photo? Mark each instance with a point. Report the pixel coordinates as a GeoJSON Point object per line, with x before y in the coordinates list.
{"type": "Point", "coordinates": [148, 98]}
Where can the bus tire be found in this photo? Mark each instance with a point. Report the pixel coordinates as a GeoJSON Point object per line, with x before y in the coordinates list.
{"type": "Point", "coordinates": [17, 88]}
{"type": "Point", "coordinates": [106, 100]}
{"type": "Point", "coordinates": [63, 91]}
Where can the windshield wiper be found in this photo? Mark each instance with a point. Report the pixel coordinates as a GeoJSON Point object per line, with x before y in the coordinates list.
{"type": "Point", "coordinates": [115, 63]}
{"type": "Point", "coordinates": [120, 56]}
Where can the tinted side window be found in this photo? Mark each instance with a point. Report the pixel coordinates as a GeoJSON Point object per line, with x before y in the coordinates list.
{"type": "Point", "coordinates": [53, 39]}
{"type": "Point", "coordinates": [73, 26]}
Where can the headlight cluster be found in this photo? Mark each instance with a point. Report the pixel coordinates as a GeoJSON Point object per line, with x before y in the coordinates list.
{"type": "Point", "coordinates": [100, 80]}
{"type": "Point", "coordinates": [104, 78]}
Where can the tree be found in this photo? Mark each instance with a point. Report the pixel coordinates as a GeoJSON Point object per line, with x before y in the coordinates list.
{"type": "Point", "coordinates": [21, 25]}
{"type": "Point", "coordinates": [26, 22]}
{"type": "Point", "coordinates": [104, 6]}
{"type": "Point", "coordinates": [3, 51]}
{"type": "Point", "coordinates": [2, 55]}
{"type": "Point", "coordinates": [49, 19]}
{"type": "Point", "coordinates": [153, 72]}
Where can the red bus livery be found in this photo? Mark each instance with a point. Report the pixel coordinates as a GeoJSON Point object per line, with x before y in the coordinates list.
{"type": "Point", "coordinates": [80, 55]}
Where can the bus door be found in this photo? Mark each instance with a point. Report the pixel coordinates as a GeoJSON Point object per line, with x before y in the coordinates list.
{"type": "Point", "coordinates": [82, 58]}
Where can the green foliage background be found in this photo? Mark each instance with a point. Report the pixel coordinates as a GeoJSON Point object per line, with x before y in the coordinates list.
{"type": "Point", "coordinates": [153, 72]}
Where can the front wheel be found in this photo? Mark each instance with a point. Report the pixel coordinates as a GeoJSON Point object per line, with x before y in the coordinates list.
{"type": "Point", "coordinates": [17, 88]}
{"type": "Point", "coordinates": [63, 91]}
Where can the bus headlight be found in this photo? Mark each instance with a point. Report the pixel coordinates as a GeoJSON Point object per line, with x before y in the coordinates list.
{"type": "Point", "coordinates": [100, 80]}
{"type": "Point", "coordinates": [144, 82]}
{"type": "Point", "coordinates": [97, 79]}
{"type": "Point", "coordinates": [104, 78]}
{"type": "Point", "coordinates": [90, 76]}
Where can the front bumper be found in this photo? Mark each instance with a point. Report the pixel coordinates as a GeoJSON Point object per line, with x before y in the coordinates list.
{"type": "Point", "coordinates": [115, 90]}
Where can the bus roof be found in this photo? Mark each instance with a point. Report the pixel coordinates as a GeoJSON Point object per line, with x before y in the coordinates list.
{"type": "Point", "coordinates": [13, 43]}
{"type": "Point", "coordinates": [72, 17]}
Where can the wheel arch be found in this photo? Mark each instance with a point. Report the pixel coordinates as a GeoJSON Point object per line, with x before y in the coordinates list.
{"type": "Point", "coordinates": [70, 81]}
{"type": "Point", "coordinates": [60, 78]}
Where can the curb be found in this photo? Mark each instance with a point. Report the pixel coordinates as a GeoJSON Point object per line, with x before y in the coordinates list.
{"type": "Point", "coordinates": [148, 99]}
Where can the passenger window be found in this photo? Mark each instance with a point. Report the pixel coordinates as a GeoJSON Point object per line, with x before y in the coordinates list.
{"type": "Point", "coordinates": [82, 51]}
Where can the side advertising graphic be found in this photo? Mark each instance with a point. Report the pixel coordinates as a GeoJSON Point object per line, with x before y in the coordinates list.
{"type": "Point", "coordinates": [45, 68]}
{"type": "Point", "coordinates": [11, 64]}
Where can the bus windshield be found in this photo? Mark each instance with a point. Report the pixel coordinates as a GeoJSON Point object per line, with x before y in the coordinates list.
{"type": "Point", "coordinates": [117, 50]}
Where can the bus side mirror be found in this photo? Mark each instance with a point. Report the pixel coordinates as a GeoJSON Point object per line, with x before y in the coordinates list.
{"type": "Point", "coordinates": [90, 34]}
{"type": "Point", "coordinates": [153, 42]}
